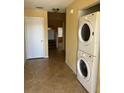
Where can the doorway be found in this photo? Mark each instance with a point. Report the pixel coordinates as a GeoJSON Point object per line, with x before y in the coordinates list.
{"type": "Point", "coordinates": [51, 38]}
{"type": "Point", "coordinates": [34, 37]}
{"type": "Point", "coordinates": [56, 31]}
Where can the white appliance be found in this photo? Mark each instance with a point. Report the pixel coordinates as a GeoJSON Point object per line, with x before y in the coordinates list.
{"type": "Point", "coordinates": [87, 69]}
{"type": "Point", "coordinates": [88, 51]}
{"type": "Point", "coordinates": [89, 33]}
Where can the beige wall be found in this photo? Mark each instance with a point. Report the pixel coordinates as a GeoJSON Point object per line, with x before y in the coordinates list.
{"type": "Point", "coordinates": [72, 30]}
{"type": "Point", "coordinates": [40, 13]}
{"type": "Point", "coordinates": [98, 82]}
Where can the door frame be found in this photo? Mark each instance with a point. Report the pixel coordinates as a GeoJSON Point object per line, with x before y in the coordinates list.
{"type": "Point", "coordinates": [25, 48]}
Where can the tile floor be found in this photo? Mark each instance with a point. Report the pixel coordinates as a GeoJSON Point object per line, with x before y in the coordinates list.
{"type": "Point", "coordinates": [50, 75]}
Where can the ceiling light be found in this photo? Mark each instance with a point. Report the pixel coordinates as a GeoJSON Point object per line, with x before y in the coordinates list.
{"type": "Point", "coordinates": [55, 9]}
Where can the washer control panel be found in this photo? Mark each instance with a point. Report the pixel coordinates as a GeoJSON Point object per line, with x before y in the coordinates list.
{"type": "Point", "coordinates": [85, 55]}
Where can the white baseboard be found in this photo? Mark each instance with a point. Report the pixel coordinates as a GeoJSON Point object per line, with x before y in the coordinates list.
{"type": "Point", "coordinates": [37, 58]}
{"type": "Point", "coordinates": [46, 56]}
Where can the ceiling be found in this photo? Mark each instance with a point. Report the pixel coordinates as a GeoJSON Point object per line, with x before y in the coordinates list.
{"type": "Point", "coordinates": [48, 4]}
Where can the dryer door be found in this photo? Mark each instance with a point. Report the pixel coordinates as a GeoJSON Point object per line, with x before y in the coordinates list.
{"type": "Point", "coordinates": [86, 32]}
{"type": "Point", "coordinates": [84, 69]}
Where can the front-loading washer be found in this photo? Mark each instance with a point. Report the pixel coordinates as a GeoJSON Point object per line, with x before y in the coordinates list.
{"type": "Point", "coordinates": [87, 69]}
{"type": "Point", "coordinates": [88, 33]}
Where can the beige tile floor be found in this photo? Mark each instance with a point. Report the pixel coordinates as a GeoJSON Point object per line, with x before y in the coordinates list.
{"type": "Point", "coordinates": [50, 76]}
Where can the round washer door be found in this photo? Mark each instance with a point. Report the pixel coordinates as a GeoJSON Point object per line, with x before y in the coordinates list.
{"type": "Point", "coordinates": [83, 68]}
{"type": "Point", "coordinates": [86, 32]}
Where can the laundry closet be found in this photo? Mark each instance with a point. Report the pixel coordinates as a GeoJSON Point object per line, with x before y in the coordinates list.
{"type": "Point", "coordinates": [88, 47]}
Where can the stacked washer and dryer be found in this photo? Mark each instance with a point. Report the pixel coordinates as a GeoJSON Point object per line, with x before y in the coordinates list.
{"type": "Point", "coordinates": [88, 51]}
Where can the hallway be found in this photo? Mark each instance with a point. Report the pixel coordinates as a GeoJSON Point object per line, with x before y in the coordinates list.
{"type": "Point", "coordinates": [50, 75]}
